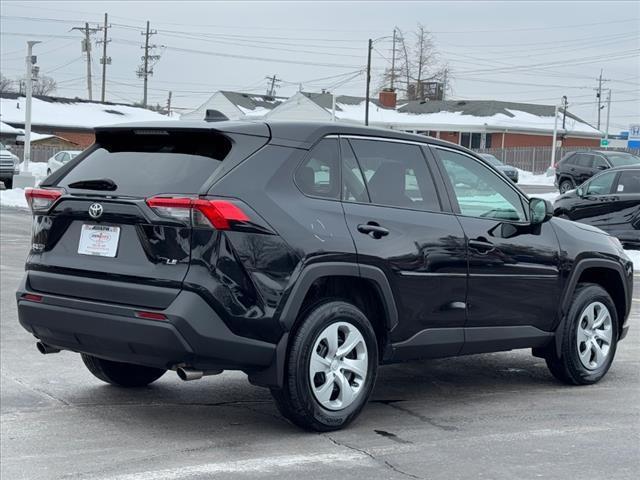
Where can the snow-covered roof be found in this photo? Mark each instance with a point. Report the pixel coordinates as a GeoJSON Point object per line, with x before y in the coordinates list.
{"type": "Point", "coordinates": [453, 115]}
{"type": "Point", "coordinates": [9, 130]}
{"type": "Point", "coordinates": [71, 113]}
{"type": "Point", "coordinates": [252, 101]}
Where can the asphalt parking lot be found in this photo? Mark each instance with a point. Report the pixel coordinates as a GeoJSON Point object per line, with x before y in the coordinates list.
{"type": "Point", "coordinates": [496, 416]}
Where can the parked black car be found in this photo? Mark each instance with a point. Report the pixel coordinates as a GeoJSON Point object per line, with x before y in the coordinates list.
{"type": "Point", "coordinates": [575, 168]}
{"type": "Point", "coordinates": [610, 201]}
{"type": "Point", "coordinates": [510, 172]}
{"type": "Point", "coordinates": [305, 255]}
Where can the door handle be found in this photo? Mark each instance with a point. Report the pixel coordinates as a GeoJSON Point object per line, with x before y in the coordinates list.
{"type": "Point", "coordinates": [482, 245]}
{"type": "Point", "coordinates": [373, 230]}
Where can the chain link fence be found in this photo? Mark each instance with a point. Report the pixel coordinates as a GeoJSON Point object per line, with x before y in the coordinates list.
{"type": "Point", "coordinates": [537, 159]}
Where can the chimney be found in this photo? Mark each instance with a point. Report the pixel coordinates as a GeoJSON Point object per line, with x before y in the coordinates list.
{"type": "Point", "coordinates": [387, 98]}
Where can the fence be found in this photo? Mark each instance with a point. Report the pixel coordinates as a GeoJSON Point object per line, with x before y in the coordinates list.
{"type": "Point", "coordinates": [535, 159]}
{"type": "Point", "coordinates": [39, 153]}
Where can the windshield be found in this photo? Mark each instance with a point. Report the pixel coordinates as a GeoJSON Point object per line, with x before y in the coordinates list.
{"type": "Point", "coordinates": [491, 159]}
{"type": "Point", "coordinates": [622, 159]}
{"type": "Point", "coordinates": [2, 147]}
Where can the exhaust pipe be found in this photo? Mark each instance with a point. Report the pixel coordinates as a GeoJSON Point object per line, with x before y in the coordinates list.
{"type": "Point", "coordinates": [45, 349]}
{"type": "Point", "coordinates": [187, 374]}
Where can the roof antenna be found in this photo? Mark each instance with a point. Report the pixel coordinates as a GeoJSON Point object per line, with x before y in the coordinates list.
{"type": "Point", "coordinates": [215, 116]}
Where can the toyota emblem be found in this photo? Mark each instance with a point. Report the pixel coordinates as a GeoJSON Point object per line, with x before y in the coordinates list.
{"type": "Point", "coordinates": [95, 210]}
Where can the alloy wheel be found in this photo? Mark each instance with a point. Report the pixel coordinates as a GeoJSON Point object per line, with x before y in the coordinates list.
{"type": "Point", "coordinates": [594, 335]}
{"type": "Point", "coordinates": [338, 366]}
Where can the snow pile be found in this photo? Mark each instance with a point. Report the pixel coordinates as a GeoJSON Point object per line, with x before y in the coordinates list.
{"type": "Point", "coordinates": [13, 198]}
{"type": "Point", "coordinates": [528, 178]}
{"type": "Point", "coordinates": [634, 255]}
{"type": "Point", "coordinates": [9, 130]}
{"type": "Point", "coordinates": [69, 113]}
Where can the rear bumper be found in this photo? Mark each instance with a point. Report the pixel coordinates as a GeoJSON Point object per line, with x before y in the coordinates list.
{"type": "Point", "coordinates": [193, 334]}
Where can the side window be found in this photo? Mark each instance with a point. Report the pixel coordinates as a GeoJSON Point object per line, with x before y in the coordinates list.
{"type": "Point", "coordinates": [353, 186]}
{"type": "Point", "coordinates": [396, 174]}
{"type": "Point", "coordinates": [479, 191]}
{"type": "Point", "coordinates": [64, 157]}
{"type": "Point", "coordinates": [601, 185]}
{"type": "Point", "coordinates": [599, 162]}
{"type": "Point", "coordinates": [319, 175]}
{"type": "Point", "coordinates": [585, 160]}
{"type": "Point", "coordinates": [58, 157]}
{"type": "Point", "coordinates": [629, 182]}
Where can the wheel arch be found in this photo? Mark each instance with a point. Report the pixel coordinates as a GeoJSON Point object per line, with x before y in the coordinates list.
{"type": "Point", "coordinates": [609, 275]}
{"type": "Point", "coordinates": [368, 288]}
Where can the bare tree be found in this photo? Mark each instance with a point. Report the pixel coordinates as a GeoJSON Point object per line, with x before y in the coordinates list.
{"type": "Point", "coordinates": [44, 85]}
{"type": "Point", "coordinates": [414, 65]}
{"type": "Point", "coordinates": [6, 84]}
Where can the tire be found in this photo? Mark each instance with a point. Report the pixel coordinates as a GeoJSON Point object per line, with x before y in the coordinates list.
{"type": "Point", "coordinates": [8, 183]}
{"type": "Point", "coordinates": [566, 185]}
{"type": "Point", "coordinates": [300, 398]}
{"type": "Point", "coordinates": [569, 367]}
{"type": "Point", "coordinates": [121, 374]}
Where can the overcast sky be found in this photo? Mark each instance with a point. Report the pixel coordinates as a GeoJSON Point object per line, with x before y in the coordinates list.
{"type": "Point", "coordinates": [516, 51]}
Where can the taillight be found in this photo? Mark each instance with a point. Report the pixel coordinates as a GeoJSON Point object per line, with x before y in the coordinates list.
{"type": "Point", "coordinates": [40, 200]}
{"type": "Point", "coordinates": [150, 315]}
{"type": "Point", "coordinates": [202, 212]}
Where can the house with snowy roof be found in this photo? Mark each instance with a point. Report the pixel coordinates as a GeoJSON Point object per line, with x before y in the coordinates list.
{"type": "Point", "coordinates": [72, 119]}
{"type": "Point", "coordinates": [235, 106]}
{"type": "Point", "coordinates": [471, 123]}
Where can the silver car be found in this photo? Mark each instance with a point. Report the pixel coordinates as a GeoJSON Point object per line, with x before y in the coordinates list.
{"type": "Point", "coordinates": [9, 166]}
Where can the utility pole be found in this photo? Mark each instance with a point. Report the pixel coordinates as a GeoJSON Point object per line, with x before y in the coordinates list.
{"type": "Point", "coordinates": [444, 84]}
{"type": "Point", "coordinates": [104, 60]}
{"type": "Point", "coordinates": [25, 178]}
{"type": "Point", "coordinates": [169, 104]}
{"type": "Point", "coordinates": [366, 103]}
{"type": "Point", "coordinates": [599, 96]}
{"type": "Point", "coordinates": [565, 104]}
{"type": "Point", "coordinates": [555, 136]}
{"type": "Point", "coordinates": [393, 60]}
{"type": "Point", "coordinates": [86, 48]}
{"type": "Point", "coordinates": [144, 71]}
{"type": "Point", "coordinates": [274, 82]}
{"type": "Point", "coordinates": [608, 116]}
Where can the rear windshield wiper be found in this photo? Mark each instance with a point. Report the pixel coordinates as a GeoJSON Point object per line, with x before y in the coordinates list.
{"type": "Point", "coordinates": [95, 184]}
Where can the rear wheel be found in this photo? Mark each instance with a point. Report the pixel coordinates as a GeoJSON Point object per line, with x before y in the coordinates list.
{"type": "Point", "coordinates": [589, 339]}
{"type": "Point", "coordinates": [121, 374]}
{"type": "Point", "coordinates": [8, 183]}
{"type": "Point", "coordinates": [566, 185]}
{"type": "Point", "coordinates": [331, 368]}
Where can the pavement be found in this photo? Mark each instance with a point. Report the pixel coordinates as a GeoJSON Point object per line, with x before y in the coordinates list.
{"type": "Point", "coordinates": [495, 416]}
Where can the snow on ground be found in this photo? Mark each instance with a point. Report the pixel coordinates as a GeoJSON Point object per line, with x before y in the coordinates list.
{"type": "Point", "coordinates": [634, 255]}
{"type": "Point", "coordinates": [528, 178]}
{"type": "Point", "coordinates": [15, 196]}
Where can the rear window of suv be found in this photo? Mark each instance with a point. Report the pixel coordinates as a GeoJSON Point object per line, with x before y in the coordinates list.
{"type": "Point", "coordinates": [143, 163]}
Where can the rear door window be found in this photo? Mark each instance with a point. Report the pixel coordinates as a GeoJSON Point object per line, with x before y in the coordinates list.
{"type": "Point", "coordinates": [628, 182]}
{"type": "Point", "coordinates": [585, 160]}
{"type": "Point", "coordinates": [151, 162]}
{"type": "Point", "coordinates": [396, 174]}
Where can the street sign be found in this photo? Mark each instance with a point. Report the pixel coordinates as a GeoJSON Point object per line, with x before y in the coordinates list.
{"type": "Point", "coordinates": [604, 142]}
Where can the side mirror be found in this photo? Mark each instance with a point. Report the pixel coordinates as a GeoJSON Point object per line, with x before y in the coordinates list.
{"type": "Point", "coordinates": [540, 210]}
{"type": "Point", "coordinates": [580, 192]}
{"type": "Point", "coordinates": [8, 147]}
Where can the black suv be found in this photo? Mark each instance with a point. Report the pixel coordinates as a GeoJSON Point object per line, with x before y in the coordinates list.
{"type": "Point", "coordinates": [306, 255]}
{"type": "Point", "coordinates": [575, 168]}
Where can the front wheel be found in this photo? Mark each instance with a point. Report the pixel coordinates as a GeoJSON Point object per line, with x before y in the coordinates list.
{"type": "Point", "coordinates": [121, 374]}
{"type": "Point", "coordinates": [566, 185]}
{"type": "Point", "coordinates": [589, 338]}
{"type": "Point", "coordinates": [331, 368]}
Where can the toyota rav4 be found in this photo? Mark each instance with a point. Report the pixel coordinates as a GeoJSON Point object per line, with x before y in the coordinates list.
{"type": "Point", "coordinates": [306, 255]}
